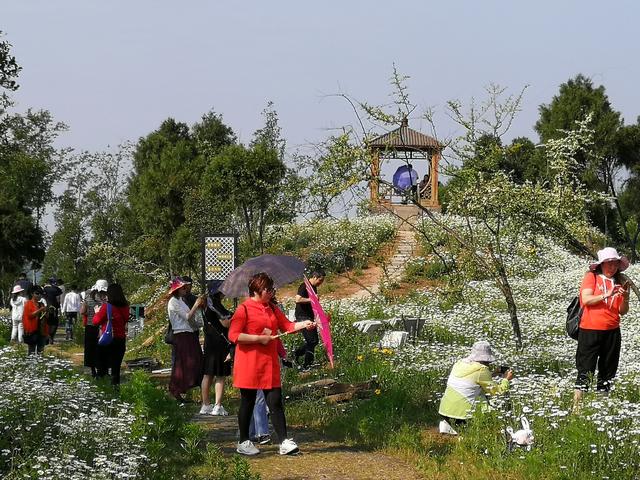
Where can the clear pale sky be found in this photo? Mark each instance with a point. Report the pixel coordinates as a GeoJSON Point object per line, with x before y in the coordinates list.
{"type": "Point", "coordinates": [113, 70]}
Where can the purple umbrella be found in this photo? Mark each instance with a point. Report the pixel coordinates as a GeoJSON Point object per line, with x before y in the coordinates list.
{"type": "Point", "coordinates": [283, 269]}
{"type": "Point", "coordinates": [404, 177]}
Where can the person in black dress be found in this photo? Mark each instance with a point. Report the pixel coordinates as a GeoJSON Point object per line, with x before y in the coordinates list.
{"type": "Point", "coordinates": [217, 350]}
{"type": "Point", "coordinates": [305, 312]}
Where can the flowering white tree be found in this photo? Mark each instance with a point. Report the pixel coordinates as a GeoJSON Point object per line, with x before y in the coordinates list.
{"type": "Point", "coordinates": [499, 215]}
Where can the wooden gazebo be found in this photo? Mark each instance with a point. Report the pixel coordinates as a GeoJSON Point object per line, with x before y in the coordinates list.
{"type": "Point", "coordinates": [421, 151]}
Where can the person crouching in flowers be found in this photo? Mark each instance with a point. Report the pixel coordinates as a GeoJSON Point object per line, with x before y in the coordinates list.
{"type": "Point", "coordinates": [604, 296]}
{"type": "Point", "coordinates": [469, 382]}
{"type": "Point", "coordinates": [253, 329]}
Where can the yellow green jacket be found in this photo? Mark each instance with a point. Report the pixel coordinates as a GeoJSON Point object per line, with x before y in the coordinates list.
{"type": "Point", "coordinates": [467, 385]}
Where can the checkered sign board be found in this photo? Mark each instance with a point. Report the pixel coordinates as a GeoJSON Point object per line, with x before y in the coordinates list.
{"type": "Point", "coordinates": [219, 256]}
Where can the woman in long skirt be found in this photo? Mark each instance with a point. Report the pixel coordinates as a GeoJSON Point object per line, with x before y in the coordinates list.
{"type": "Point", "coordinates": [186, 371]}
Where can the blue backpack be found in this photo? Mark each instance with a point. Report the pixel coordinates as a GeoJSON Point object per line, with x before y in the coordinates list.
{"type": "Point", "coordinates": [107, 336]}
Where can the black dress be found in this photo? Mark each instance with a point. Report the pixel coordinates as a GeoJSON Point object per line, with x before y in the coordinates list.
{"type": "Point", "coordinates": [216, 341]}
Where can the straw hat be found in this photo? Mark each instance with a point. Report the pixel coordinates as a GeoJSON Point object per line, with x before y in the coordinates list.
{"type": "Point", "coordinates": [481, 352]}
{"type": "Point", "coordinates": [607, 254]}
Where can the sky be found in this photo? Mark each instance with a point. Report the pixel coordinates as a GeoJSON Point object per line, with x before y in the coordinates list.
{"type": "Point", "coordinates": [114, 70]}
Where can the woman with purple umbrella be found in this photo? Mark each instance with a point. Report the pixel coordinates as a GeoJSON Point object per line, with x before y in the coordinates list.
{"type": "Point", "coordinates": [256, 367]}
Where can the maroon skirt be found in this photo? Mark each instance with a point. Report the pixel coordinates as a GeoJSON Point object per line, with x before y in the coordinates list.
{"type": "Point", "coordinates": [186, 372]}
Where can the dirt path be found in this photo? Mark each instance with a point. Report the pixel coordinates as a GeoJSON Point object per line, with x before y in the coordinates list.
{"type": "Point", "coordinates": [320, 459]}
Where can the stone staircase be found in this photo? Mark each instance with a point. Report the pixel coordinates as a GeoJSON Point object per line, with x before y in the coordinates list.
{"type": "Point", "coordinates": [405, 247]}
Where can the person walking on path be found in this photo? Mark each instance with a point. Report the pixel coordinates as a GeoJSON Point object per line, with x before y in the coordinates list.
{"type": "Point", "coordinates": [70, 308]}
{"type": "Point", "coordinates": [469, 382]}
{"type": "Point", "coordinates": [110, 356]}
{"type": "Point", "coordinates": [253, 329]}
{"type": "Point", "coordinates": [186, 371]}
{"type": "Point", "coordinates": [604, 296]}
{"type": "Point", "coordinates": [303, 313]}
{"type": "Point", "coordinates": [17, 302]}
{"type": "Point", "coordinates": [93, 300]}
{"type": "Point", "coordinates": [34, 320]}
{"type": "Point", "coordinates": [52, 296]}
{"type": "Point", "coordinates": [217, 350]}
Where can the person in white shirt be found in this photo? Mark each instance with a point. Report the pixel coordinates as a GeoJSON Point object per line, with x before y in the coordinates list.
{"type": "Point", "coordinates": [17, 307]}
{"type": "Point", "coordinates": [186, 371]}
{"type": "Point", "coordinates": [70, 308]}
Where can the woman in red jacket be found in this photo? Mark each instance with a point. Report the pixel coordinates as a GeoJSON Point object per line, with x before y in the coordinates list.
{"type": "Point", "coordinates": [254, 327]}
{"type": "Point", "coordinates": [110, 356]}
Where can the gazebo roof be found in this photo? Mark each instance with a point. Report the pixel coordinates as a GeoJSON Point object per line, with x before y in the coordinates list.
{"type": "Point", "coordinates": [405, 138]}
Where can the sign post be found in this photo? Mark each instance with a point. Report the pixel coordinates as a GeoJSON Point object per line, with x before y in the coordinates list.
{"type": "Point", "coordinates": [219, 255]}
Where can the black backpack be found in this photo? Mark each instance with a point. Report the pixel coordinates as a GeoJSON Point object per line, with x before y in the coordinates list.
{"type": "Point", "coordinates": [574, 315]}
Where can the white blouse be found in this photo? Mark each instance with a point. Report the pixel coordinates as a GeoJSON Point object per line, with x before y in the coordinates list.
{"type": "Point", "coordinates": [178, 313]}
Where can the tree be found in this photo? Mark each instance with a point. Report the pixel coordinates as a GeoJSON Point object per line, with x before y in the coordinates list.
{"type": "Point", "coordinates": [69, 243]}
{"type": "Point", "coordinates": [498, 215]}
{"type": "Point", "coordinates": [247, 188]}
{"type": "Point", "coordinates": [29, 164]}
{"type": "Point", "coordinates": [615, 146]}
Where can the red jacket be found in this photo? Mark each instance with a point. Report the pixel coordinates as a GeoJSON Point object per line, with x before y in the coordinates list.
{"type": "Point", "coordinates": [119, 319]}
{"type": "Point", "coordinates": [257, 366]}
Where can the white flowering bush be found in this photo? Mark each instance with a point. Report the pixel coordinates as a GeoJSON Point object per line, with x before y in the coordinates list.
{"type": "Point", "coordinates": [335, 245]}
{"type": "Point", "coordinates": [56, 424]}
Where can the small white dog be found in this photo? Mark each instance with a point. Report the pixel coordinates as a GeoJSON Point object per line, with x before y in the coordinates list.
{"type": "Point", "coordinates": [522, 438]}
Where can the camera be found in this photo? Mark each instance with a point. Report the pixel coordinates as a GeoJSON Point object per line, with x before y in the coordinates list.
{"type": "Point", "coordinates": [504, 369]}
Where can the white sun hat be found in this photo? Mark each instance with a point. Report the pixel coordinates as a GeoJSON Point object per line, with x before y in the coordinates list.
{"type": "Point", "coordinates": [607, 254]}
{"type": "Point", "coordinates": [17, 289]}
{"type": "Point", "coordinates": [481, 352]}
{"type": "Point", "coordinates": [100, 286]}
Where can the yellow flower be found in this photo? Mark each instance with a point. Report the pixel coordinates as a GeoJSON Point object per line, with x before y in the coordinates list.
{"type": "Point", "coordinates": [376, 350]}
{"type": "Point", "coordinates": [378, 391]}
{"type": "Point", "coordinates": [359, 358]}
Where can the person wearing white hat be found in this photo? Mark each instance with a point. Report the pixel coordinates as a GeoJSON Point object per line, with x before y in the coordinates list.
{"type": "Point", "coordinates": [93, 300]}
{"type": "Point", "coordinates": [18, 297]}
{"type": "Point", "coordinates": [604, 297]}
{"type": "Point", "coordinates": [469, 382]}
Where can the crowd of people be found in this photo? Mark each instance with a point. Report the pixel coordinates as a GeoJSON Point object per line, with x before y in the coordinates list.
{"type": "Point", "coordinates": [246, 345]}
{"type": "Point", "coordinates": [36, 313]}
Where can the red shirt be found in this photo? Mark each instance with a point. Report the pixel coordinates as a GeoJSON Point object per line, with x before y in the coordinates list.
{"type": "Point", "coordinates": [119, 319]}
{"type": "Point", "coordinates": [31, 320]}
{"type": "Point", "coordinates": [603, 315]}
{"type": "Point", "coordinates": [257, 366]}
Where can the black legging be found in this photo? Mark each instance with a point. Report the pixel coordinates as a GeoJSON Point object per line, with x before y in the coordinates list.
{"type": "Point", "coordinates": [276, 412]}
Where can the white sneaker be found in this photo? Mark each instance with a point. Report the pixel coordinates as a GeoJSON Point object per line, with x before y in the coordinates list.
{"type": "Point", "coordinates": [206, 409]}
{"type": "Point", "coordinates": [247, 448]}
{"type": "Point", "coordinates": [446, 428]}
{"type": "Point", "coordinates": [289, 447]}
{"type": "Point", "coordinates": [219, 410]}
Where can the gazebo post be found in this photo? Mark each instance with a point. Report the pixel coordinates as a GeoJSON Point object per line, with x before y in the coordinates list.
{"type": "Point", "coordinates": [435, 161]}
{"type": "Point", "coordinates": [374, 184]}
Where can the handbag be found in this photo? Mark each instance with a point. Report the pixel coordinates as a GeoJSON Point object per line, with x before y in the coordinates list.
{"type": "Point", "coordinates": [574, 315]}
{"type": "Point", "coordinates": [107, 336]}
{"type": "Point", "coordinates": [168, 335]}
